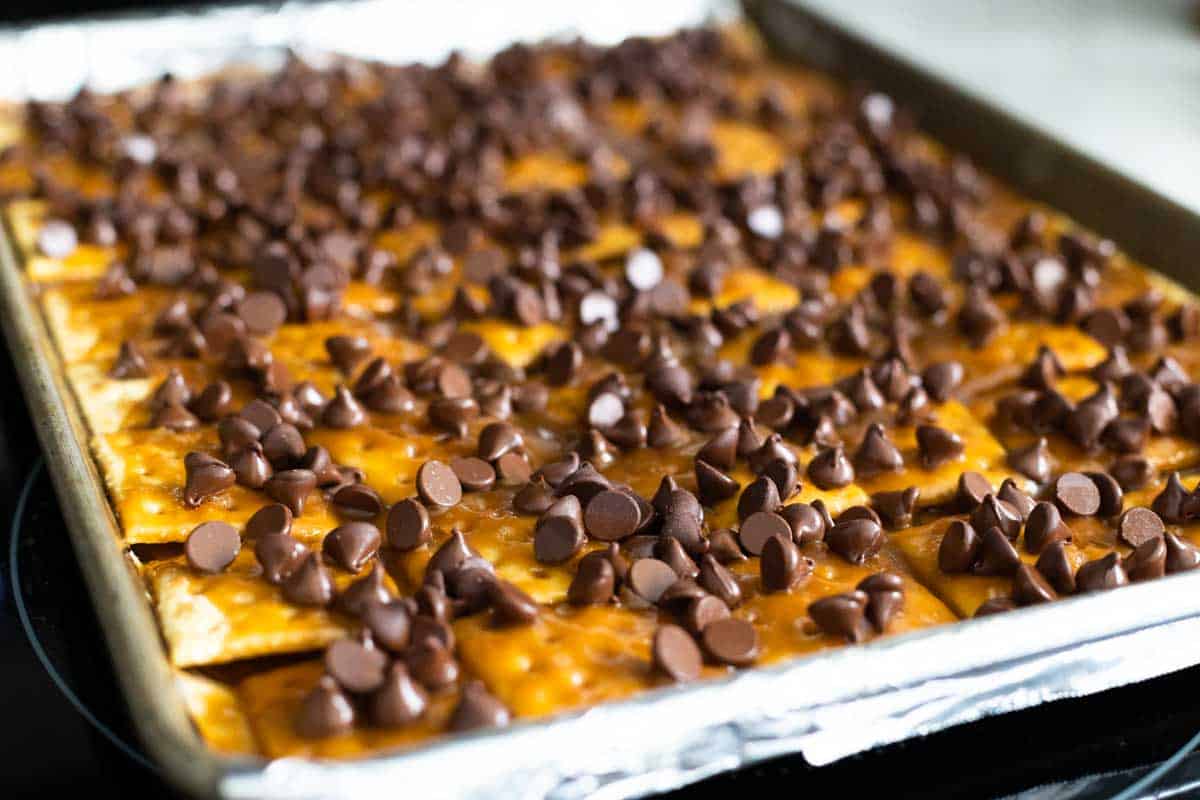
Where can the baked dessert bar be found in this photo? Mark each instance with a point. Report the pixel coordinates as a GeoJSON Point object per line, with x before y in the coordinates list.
{"type": "Point", "coordinates": [431, 398]}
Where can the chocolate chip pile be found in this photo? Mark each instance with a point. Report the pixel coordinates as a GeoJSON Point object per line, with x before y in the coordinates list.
{"type": "Point", "coordinates": [269, 198]}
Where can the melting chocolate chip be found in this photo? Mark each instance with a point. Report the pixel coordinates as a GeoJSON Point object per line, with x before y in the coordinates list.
{"type": "Point", "coordinates": [728, 640]}
{"type": "Point", "coordinates": [855, 540]}
{"type": "Point", "coordinates": [1148, 561]}
{"type": "Point", "coordinates": [325, 711]}
{"type": "Point", "coordinates": [782, 566]}
{"type": "Point", "coordinates": [675, 654]}
{"type": "Point", "coordinates": [937, 446]}
{"type": "Point", "coordinates": [842, 615]}
{"type": "Point", "coordinates": [477, 709]}
{"type": "Point", "coordinates": [830, 469]}
{"type": "Point", "coordinates": [399, 701]}
{"type": "Point", "coordinates": [438, 485]}
{"type": "Point", "coordinates": [996, 556]}
{"type": "Point", "coordinates": [876, 454]}
{"type": "Point", "coordinates": [1103, 573]}
{"type": "Point", "coordinates": [1030, 588]}
{"type": "Point", "coordinates": [205, 477]}
{"type": "Point", "coordinates": [352, 544]}
{"type": "Point", "coordinates": [959, 549]}
{"type": "Point", "coordinates": [1032, 461]}
{"type": "Point", "coordinates": [292, 488]}
{"type": "Point", "coordinates": [1182, 555]}
{"type": "Point", "coordinates": [309, 584]}
{"type": "Point", "coordinates": [212, 546]}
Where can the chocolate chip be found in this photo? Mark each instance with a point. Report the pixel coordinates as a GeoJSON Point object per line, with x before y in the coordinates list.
{"type": "Point", "coordinates": [213, 402]}
{"type": "Point", "coordinates": [1077, 494]}
{"type": "Point", "coordinates": [594, 581]}
{"type": "Point", "coordinates": [399, 701]}
{"type": "Point", "coordinates": [291, 487]}
{"type": "Point", "coordinates": [1148, 561]}
{"type": "Point", "coordinates": [1103, 573]}
{"type": "Point", "coordinates": [941, 379]}
{"type": "Point", "coordinates": [205, 477]}
{"type": "Point", "coordinates": [512, 469]}
{"type": "Point", "coordinates": [713, 485]}
{"type": "Point", "coordinates": [478, 709]}
{"type": "Point", "coordinates": [557, 537]}
{"type": "Point", "coordinates": [1132, 472]}
{"type": "Point", "coordinates": [174, 418]}
{"type": "Point", "coordinates": [430, 661]}
{"type": "Point", "coordinates": [534, 497]}
{"type": "Point", "coordinates": [662, 431]}
{"type": "Point", "coordinates": [367, 591]}
{"type": "Point", "coordinates": [450, 555]}
{"type": "Point", "coordinates": [650, 577]}
{"type": "Point", "coordinates": [611, 516]}
{"type": "Point", "coordinates": [1030, 588]}
{"type": "Point", "coordinates": [759, 527]}
{"type": "Point", "coordinates": [996, 556]}
{"type": "Point", "coordinates": [283, 445]}
{"type": "Point", "coordinates": [357, 501]}
{"type": "Point", "coordinates": [885, 598]}
{"type": "Point", "coordinates": [212, 546]}
{"type": "Point", "coordinates": [358, 667]}
{"type": "Point", "coordinates": [675, 654]}
{"type": "Point", "coordinates": [325, 711]}
{"type": "Point", "coordinates": [347, 352]}
{"type": "Point", "coordinates": [263, 312]}
{"type": "Point", "coordinates": [279, 555]}
{"type": "Point", "coordinates": [782, 566]}
{"type": "Point", "coordinates": [895, 509]}
{"type": "Point", "coordinates": [972, 488]}
{"type": "Point", "coordinates": [1138, 526]}
{"type": "Point", "coordinates": [730, 641]}
{"type": "Point", "coordinates": [510, 605]}
{"type": "Point", "coordinates": [475, 474]}
{"type": "Point", "coordinates": [352, 544]}
{"type": "Point", "coordinates": [721, 450]}
{"type": "Point", "coordinates": [830, 469]}
{"type": "Point", "coordinates": [438, 485]}
{"type": "Point", "coordinates": [343, 411]}
{"type": "Point", "coordinates": [761, 495]}
{"type": "Point", "coordinates": [1044, 526]}
{"type": "Point", "coordinates": [1032, 461]}
{"type": "Point", "coordinates": [408, 525]}
{"type": "Point", "coordinates": [1181, 554]}
{"type": "Point", "coordinates": [309, 584]}
{"type": "Point", "coordinates": [995, 605]}
{"type": "Point", "coordinates": [1174, 503]}
{"type": "Point", "coordinates": [937, 446]}
{"type": "Point", "coordinates": [842, 615]}
{"type": "Point", "coordinates": [876, 454]}
{"type": "Point", "coordinates": [959, 548]}
{"type": "Point", "coordinates": [855, 540]}
{"type": "Point", "coordinates": [390, 624]}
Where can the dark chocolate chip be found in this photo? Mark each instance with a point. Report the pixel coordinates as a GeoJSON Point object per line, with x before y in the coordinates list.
{"type": "Point", "coordinates": [438, 485]}
{"type": "Point", "coordinates": [352, 544]}
{"type": "Point", "coordinates": [842, 615]}
{"type": "Point", "coordinates": [212, 546]}
{"type": "Point", "coordinates": [1103, 573]}
{"type": "Point", "coordinates": [730, 641]}
{"type": "Point", "coordinates": [675, 653]}
{"type": "Point", "coordinates": [855, 540]}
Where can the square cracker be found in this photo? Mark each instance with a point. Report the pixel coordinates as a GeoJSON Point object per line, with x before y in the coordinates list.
{"type": "Point", "coordinates": [271, 700]}
{"type": "Point", "coordinates": [144, 472]}
{"type": "Point", "coordinates": [235, 614]}
{"type": "Point", "coordinates": [217, 714]}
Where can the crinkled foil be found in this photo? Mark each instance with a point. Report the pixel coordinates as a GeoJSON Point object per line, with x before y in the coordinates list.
{"type": "Point", "coordinates": [826, 706]}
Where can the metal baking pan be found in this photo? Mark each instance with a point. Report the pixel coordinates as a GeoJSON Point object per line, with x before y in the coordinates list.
{"type": "Point", "coordinates": [826, 706]}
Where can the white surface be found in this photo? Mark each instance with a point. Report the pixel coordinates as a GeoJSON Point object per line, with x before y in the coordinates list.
{"type": "Point", "coordinates": [1119, 79]}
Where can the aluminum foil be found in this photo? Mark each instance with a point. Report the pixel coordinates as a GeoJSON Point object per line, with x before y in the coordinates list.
{"type": "Point", "coordinates": [826, 706]}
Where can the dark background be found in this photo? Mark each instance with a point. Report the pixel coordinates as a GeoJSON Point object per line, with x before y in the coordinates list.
{"type": "Point", "coordinates": [47, 748]}
{"type": "Point", "coordinates": [27, 11]}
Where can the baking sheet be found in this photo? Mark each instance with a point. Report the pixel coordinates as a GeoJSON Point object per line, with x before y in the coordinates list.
{"type": "Point", "coordinates": [827, 706]}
